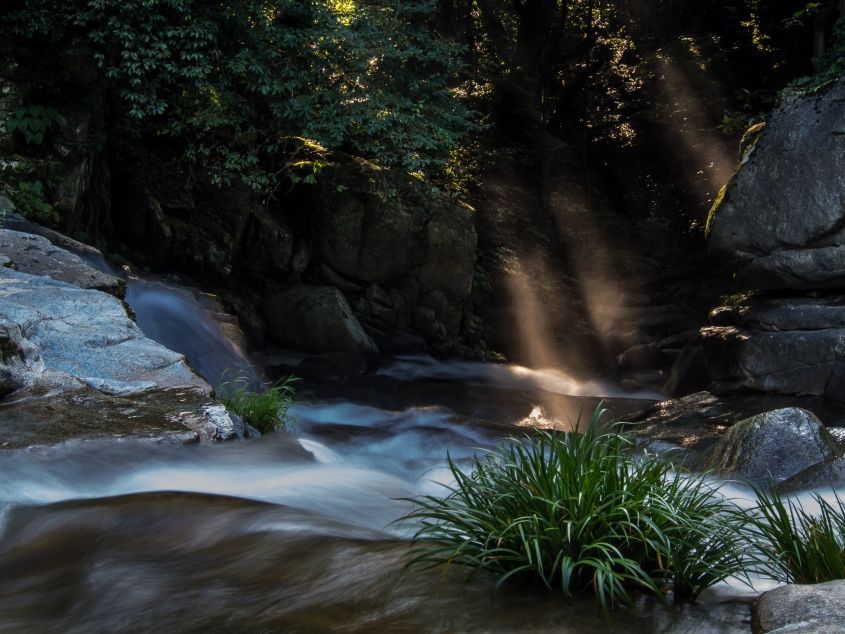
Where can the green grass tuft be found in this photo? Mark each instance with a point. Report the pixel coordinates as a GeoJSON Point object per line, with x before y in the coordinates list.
{"type": "Point", "coordinates": [795, 546]}
{"type": "Point", "coordinates": [265, 409]}
{"type": "Point", "coordinates": [581, 512]}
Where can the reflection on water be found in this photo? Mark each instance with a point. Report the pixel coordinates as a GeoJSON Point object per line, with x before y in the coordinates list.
{"type": "Point", "coordinates": [512, 377]}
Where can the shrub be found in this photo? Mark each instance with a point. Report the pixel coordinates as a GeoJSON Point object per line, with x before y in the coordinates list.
{"type": "Point", "coordinates": [266, 409]}
{"type": "Point", "coordinates": [794, 546]}
{"type": "Point", "coordinates": [578, 512]}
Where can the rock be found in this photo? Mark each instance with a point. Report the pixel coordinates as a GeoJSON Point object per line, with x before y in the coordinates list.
{"type": "Point", "coordinates": [374, 239]}
{"type": "Point", "coordinates": [778, 314]}
{"type": "Point", "coordinates": [428, 325]}
{"type": "Point", "coordinates": [822, 475]}
{"type": "Point", "coordinates": [783, 220]}
{"type": "Point", "coordinates": [52, 412]}
{"type": "Point", "coordinates": [816, 609]}
{"type": "Point", "coordinates": [326, 275]}
{"type": "Point", "coordinates": [15, 222]}
{"type": "Point", "coordinates": [315, 319]}
{"type": "Point", "coordinates": [267, 244]}
{"type": "Point", "coordinates": [688, 374]}
{"type": "Point", "coordinates": [87, 334]}
{"type": "Point", "coordinates": [639, 358]}
{"type": "Point", "coordinates": [686, 338]}
{"type": "Point", "coordinates": [619, 341]}
{"type": "Point", "coordinates": [35, 255]}
{"type": "Point", "coordinates": [693, 423]}
{"type": "Point", "coordinates": [768, 448]}
{"type": "Point", "coordinates": [791, 362]}
{"type": "Point", "coordinates": [21, 362]}
{"type": "Point", "coordinates": [332, 365]}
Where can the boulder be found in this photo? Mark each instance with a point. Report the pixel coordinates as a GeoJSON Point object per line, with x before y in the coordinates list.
{"type": "Point", "coordinates": [801, 609]}
{"type": "Point", "coordinates": [777, 314]}
{"type": "Point", "coordinates": [783, 220]}
{"type": "Point", "coordinates": [829, 473]}
{"type": "Point", "coordinates": [768, 448]}
{"type": "Point", "coordinates": [88, 335]}
{"type": "Point", "coordinates": [35, 255]}
{"type": "Point", "coordinates": [789, 362]}
{"type": "Point", "coordinates": [315, 319]}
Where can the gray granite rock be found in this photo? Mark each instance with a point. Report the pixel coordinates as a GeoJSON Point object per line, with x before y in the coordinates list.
{"type": "Point", "coordinates": [768, 448]}
{"type": "Point", "coordinates": [774, 206]}
{"type": "Point", "coordinates": [803, 609]}
{"type": "Point", "coordinates": [35, 255]}
{"type": "Point", "coordinates": [87, 334]}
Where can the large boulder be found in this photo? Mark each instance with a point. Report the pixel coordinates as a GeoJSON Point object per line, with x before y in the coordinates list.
{"type": "Point", "coordinates": [768, 448]}
{"type": "Point", "coordinates": [792, 362]}
{"type": "Point", "coordinates": [35, 255]}
{"type": "Point", "coordinates": [801, 609]}
{"type": "Point", "coordinates": [88, 335]}
{"type": "Point", "coordinates": [315, 319]}
{"type": "Point", "coordinates": [782, 217]}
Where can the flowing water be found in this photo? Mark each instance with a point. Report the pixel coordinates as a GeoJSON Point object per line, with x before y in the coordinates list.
{"type": "Point", "coordinates": [289, 532]}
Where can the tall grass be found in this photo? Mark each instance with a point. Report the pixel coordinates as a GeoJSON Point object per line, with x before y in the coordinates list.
{"type": "Point", "coordinates": [580, 512]}
{"type": "Point", "coordinates": [265, 408]}
{"type": "Point", "coordinates": [795, 546]}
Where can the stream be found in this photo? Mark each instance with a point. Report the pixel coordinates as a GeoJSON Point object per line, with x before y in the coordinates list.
{"type": "Point", "coordinates": [292, 532]}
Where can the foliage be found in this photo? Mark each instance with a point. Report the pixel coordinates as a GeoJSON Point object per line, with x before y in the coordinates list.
{"type": "Point", "coordinates": [237, 80]}
{"type": "Point", "coordinates": [32, 122]}
{"type": "Point", "coordinates": [266, 409]}
{"type": "Point", "coordinates": [579, 511]}
{"type": "Point", "coordinates": [29, 201]}
{"type": "Point", "coordinates": [796, 546]}
{"type": "Point", "coordinates": [828, 69]}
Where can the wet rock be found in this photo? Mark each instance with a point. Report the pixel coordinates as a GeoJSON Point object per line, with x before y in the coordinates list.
{"type": "Point", "coordinates": [88, 334]}
{"type": "Point", "coordinates": [51, 412]}
{"type": "Point", "coordinates": [790, 362]}
{"type": "Point", "coordinates": [787, 228]}
{"type": "Point", "coordinates": [822, 475]}
{"type": "Point", "coordinates": [315, 319]}
{"type": "Point", "coordinates": [768, 448]}
{"type": "Point", "coordinates": [688, 375]}
{"type": "Point", "coordinates": [35, 255]}
{"type": "Point", "coordinates": [695, 422]}
{"type": "Point", "coordinates": [214, 424]}
{"type": "Point", "coordinates": [21, 362]}
{"type": "Point", "coordinates": [803, 609]}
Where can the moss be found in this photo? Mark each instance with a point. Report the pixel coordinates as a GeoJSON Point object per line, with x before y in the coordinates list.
{"type": "Point", "coordinates": [723, 193]}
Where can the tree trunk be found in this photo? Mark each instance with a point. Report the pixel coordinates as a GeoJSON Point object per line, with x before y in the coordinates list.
{"type": "Point", "coordinates": [535, 21]}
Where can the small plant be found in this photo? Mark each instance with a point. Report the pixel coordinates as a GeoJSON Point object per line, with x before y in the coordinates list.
{"type": "Point", "coordinates": [580, 512]}
{"type": "Point", "coordinates": [795, 546]}
{"type": "Point", "coordinates": [32, 122]}
{"type": "Point", "coordinates": [29, 200]}
{"type": "Point", "coordinates": [265, 409]}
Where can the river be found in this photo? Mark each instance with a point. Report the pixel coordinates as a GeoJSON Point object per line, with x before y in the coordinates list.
{"type": "Point", "coordinates": [292, 532]}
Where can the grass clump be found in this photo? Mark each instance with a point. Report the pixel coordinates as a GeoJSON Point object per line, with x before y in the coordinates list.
{"type": "Point", "coordinates": [265, 408]}
{"type": "Point", "coordinates": [795, 546]}
{"type": "Point", "coordinates": [581, 512]}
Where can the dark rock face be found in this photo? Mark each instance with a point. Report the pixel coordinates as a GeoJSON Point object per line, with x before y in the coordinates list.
{"type": "Point", "coordinates": [315, 319]}
{"type": "Point", "coordinates": [768, 448]}
{"type": "Point", "coordinates": [790, 345]}
{"type": "Point", "coordinates": [783, 215]}
{"type": "Point", "coordinates": [688, 375]}
{"type": "Point", "coordinates": [803, 609]}
{"type": "Point", "coordinates": [418, 245]}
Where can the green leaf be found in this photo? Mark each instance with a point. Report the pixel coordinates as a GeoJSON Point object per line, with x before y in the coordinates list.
{"type": "Point", "coordinates": [11, 125]}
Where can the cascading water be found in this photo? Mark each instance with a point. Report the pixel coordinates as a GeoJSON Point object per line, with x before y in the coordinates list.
{"type": "Point", "coordinates": [286, 533]}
